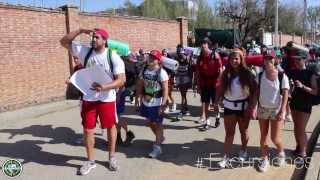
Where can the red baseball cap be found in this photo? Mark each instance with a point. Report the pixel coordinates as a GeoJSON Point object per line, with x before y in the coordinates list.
{"type": "Point", "coordinates": [104, 34]}
{"type": "Point", "coordinates": [156, 54]}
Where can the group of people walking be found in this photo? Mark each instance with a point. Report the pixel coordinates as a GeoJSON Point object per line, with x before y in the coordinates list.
{"type": "Point", "coordinates": [232, 86]}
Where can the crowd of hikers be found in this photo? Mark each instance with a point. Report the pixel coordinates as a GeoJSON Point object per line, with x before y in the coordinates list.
{"type": "Point", "coordinates": [278, 87]}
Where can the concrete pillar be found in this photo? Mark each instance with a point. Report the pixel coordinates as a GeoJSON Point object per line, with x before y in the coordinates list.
{"type": "Point", "coordinates": [183, 26]}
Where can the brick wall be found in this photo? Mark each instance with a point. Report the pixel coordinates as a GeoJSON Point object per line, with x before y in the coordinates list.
{"type": "Point", "coordinates": [33, 65]}
{"type": "Point", "coordinates": [285, 38]}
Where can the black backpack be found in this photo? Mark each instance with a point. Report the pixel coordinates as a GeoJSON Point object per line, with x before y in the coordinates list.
{"type": "Point", "coordinates": [131, 74]}
{"type": "Point", "coordinates": [316, 99]}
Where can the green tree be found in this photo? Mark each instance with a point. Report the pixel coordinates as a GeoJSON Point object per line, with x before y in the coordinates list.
{"type": "Point", "coordinates": [289, 21]}
{"type": "Point", "coordinates": [204, 15]}
{"type": "Point", "coordinates": [131, 9]}
{"type": "Point", "coordinates": [155, 9]}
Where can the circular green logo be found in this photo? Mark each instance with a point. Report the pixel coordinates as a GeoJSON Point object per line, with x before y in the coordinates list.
{"type": "Point", "coordinates": [12, 168]}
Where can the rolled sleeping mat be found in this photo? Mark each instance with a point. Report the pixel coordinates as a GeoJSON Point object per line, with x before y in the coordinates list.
{"type": "Point", "coordinates": [254, 60]}
{"type": "Point", "coordinates": [121, 48]}
{"type": "Point", "coordinates": [195, 50]}
{"type": "Point", "coordinates": [297, 46]}
{"type": "Point", "coordinates": [188, 52]}
{"type": "Point", "coordinates": [169, 63]}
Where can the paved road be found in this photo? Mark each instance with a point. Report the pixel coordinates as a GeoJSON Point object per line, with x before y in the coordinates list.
{"type": "Point", "coordinates": [46, 146]}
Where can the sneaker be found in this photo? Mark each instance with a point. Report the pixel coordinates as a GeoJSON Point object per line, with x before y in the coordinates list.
{"type": "Point", "coordinates": [201, 120]}
{"type": "Point", "coordinates": [280, 159]}
{"type": "Point", "coordinates": [243, 155]}
{"type": "Point", "coordinates": [179, 117]}
{"type": "Point", "coordinates": [225, 163]}
{"type": "Point", "coordinates": [174, 107]}
{"type": "Point", "coordinates": [288, 118]}
{"type": "Point", "coordinates": [263, 165]}
{"type": "Point", "coordinates": [87, 167]}
{"type": "Point", "coordinates": [132, 100]}
{"type": "Point", "coordinates": [205, 127]}
{"type": "Point", "coordinates": [217, 123]}
{"type": "Point", "coordinates": [113, 165]}
{"type": "Point", "coordinates": [167, 110]}
{"type": "Point", "coordinates": [130, 137]}
{"type": "Point", "coordinates": [300, 160]}
{"type": "Point", "coordinates": [155, 152]}
{"type": "Point", "coordinates": [187, 113]}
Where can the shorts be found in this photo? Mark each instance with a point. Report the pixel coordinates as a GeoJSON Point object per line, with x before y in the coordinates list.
{"type": "Point", "coordinates": [267, 113]}
{"type": "Point", "coordinates": [151, 113]}
{"type": "Point", "coordinates": [207, 95]}
{"type": "Point", "coordinates": [105, 110]}
{"type": "Point", "coordinates": [229, 112]}
{"type": "Point", "coordinates": [302, 107]}
{"type": "Point", "coordinates": [183, 81]}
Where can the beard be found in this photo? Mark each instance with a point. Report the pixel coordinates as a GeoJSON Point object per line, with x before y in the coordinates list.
{"type": "Point", "coordinates": [96, 46]}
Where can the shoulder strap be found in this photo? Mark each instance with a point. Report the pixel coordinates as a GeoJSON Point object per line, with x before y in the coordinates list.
{"type": "Point", "coordinates": [158, 75]}
{"type": "Point", "coordinates": [259, 85]}
{"type": "Point", "coordinates": [143, 71]}
{"type": "Point", "coordinates": [260, 77]}
{"type": "Point", "coordinates": [280, 77]}
{"type": "Point", "coordinates": [110, 61]}
{"type": "Point", "coordinates": [87, 57]}
{"type": "Point", "coordinates": [213, 55]}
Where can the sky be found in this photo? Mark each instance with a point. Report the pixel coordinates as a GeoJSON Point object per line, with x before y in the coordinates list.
{"type": "Point", "coordinates": [100, 5]}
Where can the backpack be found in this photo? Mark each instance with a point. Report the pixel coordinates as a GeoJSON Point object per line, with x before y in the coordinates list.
{"type": "Point", "coordinates": [316, 99]}
{"type": "Point", "coordinates": [131, 74]}
{"type": "Point", "coordinates": [280, 77]}
{"type": "Point", "coordinates": [72, 92]}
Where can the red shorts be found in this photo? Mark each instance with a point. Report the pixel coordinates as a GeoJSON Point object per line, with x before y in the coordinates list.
{"type": "Point", "coordinates": [105, 110]}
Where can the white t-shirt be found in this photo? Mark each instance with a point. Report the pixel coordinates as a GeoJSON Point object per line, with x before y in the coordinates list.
{"type": "Point", "coordinates": [148, 74]}
{"type": "Point", "coordinates": [269, 91]}
{"type": "Point", "coordinates": [235, 93]}
{"type": "Point", "coordinates": [101, 59]}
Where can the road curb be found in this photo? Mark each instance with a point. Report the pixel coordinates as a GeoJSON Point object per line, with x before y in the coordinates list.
{"type": "Point", "coordinates": [38, 110]}
{"type": "Point", "coordinates": [313, 172]}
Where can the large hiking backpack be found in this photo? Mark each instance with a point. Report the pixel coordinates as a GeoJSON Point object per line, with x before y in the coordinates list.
{"type": "Point", "coordinates": [131, 74]}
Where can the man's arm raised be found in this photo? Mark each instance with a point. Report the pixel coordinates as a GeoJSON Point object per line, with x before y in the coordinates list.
{"type": "Point", "coordinates": [67, 39]}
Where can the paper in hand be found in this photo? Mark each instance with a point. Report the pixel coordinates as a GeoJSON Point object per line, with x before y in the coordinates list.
{"type": "Point", "coordinates": [84, 78]}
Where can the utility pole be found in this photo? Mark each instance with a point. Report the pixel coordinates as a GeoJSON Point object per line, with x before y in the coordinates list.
{"type": "Point", "coordinates": [304, 21]}
{"type": "Point", "coordinates": [276, 23]}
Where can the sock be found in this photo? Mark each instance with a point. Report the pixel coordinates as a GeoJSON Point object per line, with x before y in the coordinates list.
{"type": "Point", "coordinates": [282, 154]}
{"type": "Point", "coordinates": [92, 161]}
